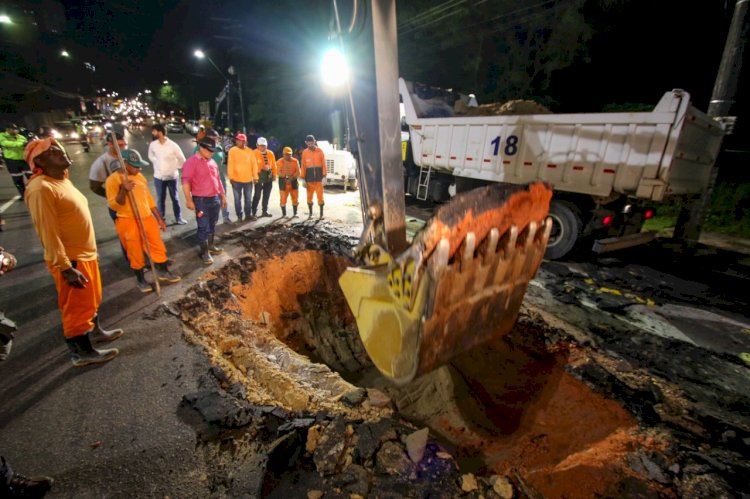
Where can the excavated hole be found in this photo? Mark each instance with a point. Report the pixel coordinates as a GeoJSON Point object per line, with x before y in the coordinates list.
{"type": "Point", "coordinates": [509, 408]}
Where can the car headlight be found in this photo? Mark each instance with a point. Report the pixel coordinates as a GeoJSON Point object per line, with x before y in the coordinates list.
{"type": "Point", "coordinates": [97, 129]}
{"type": "Point", "coordinates": [56, 134]}
{"type": "Point", "coordinates": [74, 135]}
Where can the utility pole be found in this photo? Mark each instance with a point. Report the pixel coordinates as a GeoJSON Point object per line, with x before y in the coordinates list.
{"type": "Point", "coordinates": [690, 220]}
{"type": "Point", "coordinates": [242, 105]}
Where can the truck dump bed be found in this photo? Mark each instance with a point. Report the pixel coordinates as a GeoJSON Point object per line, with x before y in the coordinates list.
{"type": "Point", "coordinates": [648, 154]}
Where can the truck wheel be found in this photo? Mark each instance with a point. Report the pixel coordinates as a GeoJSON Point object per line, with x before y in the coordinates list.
{"type": "Point", "coordinates": [566, 227]}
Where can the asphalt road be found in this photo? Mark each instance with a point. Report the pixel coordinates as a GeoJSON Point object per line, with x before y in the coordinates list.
{"type": "Point", "coordinates": [113, 430]}
{"type": "Point", "coordinates": [110, 430]}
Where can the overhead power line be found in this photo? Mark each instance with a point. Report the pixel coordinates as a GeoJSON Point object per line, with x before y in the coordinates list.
{"type": "Point", "coordinates": [489, 24]}
{"type": "Point", "coordinates": [430, 13]}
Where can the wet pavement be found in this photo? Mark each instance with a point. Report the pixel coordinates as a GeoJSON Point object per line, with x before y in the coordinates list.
{"type": "Point", "coordinates": [647, 344]}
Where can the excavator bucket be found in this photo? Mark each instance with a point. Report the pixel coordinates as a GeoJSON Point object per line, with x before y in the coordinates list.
{"type": "Point", "coordinates": [459, 285]}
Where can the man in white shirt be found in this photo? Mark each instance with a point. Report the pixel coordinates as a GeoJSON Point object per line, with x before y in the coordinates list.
{"type": "Point", "coordinates": [167, 158]}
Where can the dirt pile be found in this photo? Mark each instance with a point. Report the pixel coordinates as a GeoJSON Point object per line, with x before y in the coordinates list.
{"type": "Point", "coordinates": [511, 107]}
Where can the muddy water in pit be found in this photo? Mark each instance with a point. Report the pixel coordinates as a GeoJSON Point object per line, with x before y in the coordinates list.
{"type": "Point", "coordinates": [508, 408]}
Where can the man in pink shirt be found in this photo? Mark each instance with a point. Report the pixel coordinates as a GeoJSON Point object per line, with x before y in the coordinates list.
{"type": "Point", "coordinates": [204, 194]}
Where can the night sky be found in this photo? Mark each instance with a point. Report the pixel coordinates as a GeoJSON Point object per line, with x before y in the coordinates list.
{"type": "Point", "coordinates": [639, 49]}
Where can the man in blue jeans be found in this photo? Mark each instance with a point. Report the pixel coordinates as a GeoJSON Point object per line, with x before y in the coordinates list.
{"type": "Point", "coordinates": [220, 159]}
{"type": "Point", "coordinates": [167, 158]}
{"type": "Point", "coordinates": [204, 194]}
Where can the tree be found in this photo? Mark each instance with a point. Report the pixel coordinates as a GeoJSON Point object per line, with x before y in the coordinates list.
{"type": "Point", "coordinates": [496, 49]}
{"type": "Point", "coordinates": [168, 96]}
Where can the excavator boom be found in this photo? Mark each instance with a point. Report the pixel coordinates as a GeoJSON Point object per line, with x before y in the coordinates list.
{"type": "Point", "coordinates": [461, 281]}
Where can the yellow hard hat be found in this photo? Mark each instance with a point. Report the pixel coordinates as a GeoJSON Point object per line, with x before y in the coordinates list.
{"type": "Point", "coordinates": [287, 150]}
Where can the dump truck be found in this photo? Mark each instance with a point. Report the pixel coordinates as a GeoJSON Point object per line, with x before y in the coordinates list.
{"type": "Point", "coordinates": [609, 171]}
{"type": "Point", "coordinates": [460, 282]}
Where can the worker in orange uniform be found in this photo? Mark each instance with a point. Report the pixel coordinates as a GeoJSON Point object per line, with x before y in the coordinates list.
{"type": "Point", "coordinates": [266, 162]}
{"type": "Point", "coordinates": [134, 235]}
{"type": "Point", "coordinates": [242, 170]}
{"type": "Point", "coordinates": [63, 222]}
{"type": "Point", "coordinates": [314, 172]}
{"type": "Point", "coordinates": [288, 170]}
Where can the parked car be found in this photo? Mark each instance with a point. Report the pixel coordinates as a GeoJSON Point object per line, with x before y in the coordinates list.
{"type": "Point", "coordinates": [192, 127]}
{"type": "Point", "coordinates": [174, 126]}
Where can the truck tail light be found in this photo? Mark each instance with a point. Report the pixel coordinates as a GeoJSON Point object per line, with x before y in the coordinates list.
{"type": "Point", "coordinates": [607, 220]}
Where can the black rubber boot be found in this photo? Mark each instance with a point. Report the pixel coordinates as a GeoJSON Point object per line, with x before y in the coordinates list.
{"type": "Point", "coordinates": [205, 255]}
{"type": "Point", "coordinates": [82, 353]}
{"type": "Point", "coordinates": [321, 210]}
{"type": "Point", "coordinates": [20, 485]}
{"type": "Point", "coordinates": [283, 211]}
{"type": "Point", "coordinates": [294, 211]}
{"type": "Point", "coordinates": [164, 274]}
{"type": "Point", "coordinates": [309, 207]}
{"type": "Point", "coordinates": [99, 334]}
{"type": "Point", "coordinates": [212, 248]}
{"type": "Point", "coordinates": [143, 285]}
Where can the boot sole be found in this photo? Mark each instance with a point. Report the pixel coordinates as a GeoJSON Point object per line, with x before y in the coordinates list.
{"type": "Point", "coordinates": [170, 279]}
{"type": "Point", "coordinates": [112, 337]}
{"type": "Point", "coordinates": [100, 360]}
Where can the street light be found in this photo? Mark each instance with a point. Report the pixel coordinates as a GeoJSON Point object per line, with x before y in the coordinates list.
{"type": "Point", "coordinates": [334, 69]}
{"type": "Point", "coordinates": [228, 91]}
{"type": "Point", "coordinates": [334, 72]}
{"type": "Point", "coordinates": [202, 55]}
{"type": "Point", "coordinates": [64, 53]}
{"type": "Point", "coordinates": [4, 19]}
{"type": "Point", "coordinates": [166, 82]}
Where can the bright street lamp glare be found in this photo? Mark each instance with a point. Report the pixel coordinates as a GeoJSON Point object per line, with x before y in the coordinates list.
{"type": "Point", "coordinates": [166, 82]}
{"type": "Point", "coordinates": [335, 70]}
{"type": "Point", "coordinates": [199, 54]}
{"type": "Point", "coordinates": [5, 19]}
{"type": "Point", "coordinates": [64, 53]}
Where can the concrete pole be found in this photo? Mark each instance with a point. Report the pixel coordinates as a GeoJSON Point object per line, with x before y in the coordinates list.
{"type": "Point", "coordinates": [690, 220]}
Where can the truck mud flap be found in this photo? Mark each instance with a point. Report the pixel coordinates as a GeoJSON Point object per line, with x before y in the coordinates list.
{"type": "Point", "coordinates": [459, 285]}
{"type": "Point", "coordinates": [618, 243]}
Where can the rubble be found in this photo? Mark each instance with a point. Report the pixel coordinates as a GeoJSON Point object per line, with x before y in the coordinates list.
{"type": "Point", "coordinates": [547, 411]}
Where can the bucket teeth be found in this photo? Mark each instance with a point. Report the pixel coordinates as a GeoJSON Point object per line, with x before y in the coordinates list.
{"type": "Point", "coordinates": [459, 285]}
{"type": "Point", "coordinates": [492, 240]}
{"type": "Point", "coordinates": [512, 239]}
{"type": "Point", "coordinates": [442, 253]}
{"type": "Point", "coordinates": [470, 243]}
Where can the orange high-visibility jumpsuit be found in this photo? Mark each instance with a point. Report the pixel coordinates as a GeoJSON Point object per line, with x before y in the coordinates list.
{"type": "Point", "coordinates": [288, 180]}
{"type": "Point", "coordinates": [314, 171]}
{"type": "Point", "coordinates": [127, 225]}
{"type": "Point", "coordinates": [62, 220]}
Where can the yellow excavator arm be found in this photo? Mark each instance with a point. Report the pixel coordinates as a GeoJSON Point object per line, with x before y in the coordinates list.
{"type": "Point", "coordinates": [461, 281]}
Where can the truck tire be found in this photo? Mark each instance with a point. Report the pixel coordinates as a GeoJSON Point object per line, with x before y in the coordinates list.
{"type": "Point", "coordinates": [566, 227]}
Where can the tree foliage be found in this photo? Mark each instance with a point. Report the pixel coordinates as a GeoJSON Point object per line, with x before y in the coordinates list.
{"type": "Point", "coordinates": [169, 97]}
{"type": "Point", "coordinates": [500, 50]}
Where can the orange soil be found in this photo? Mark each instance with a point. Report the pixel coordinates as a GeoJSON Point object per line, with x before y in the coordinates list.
{"type": "Point", "coordinates": [278, 283]}
{"type": "Point", "coordinates": [536, 420]}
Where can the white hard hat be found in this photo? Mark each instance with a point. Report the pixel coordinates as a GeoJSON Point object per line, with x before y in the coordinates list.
{"type": "Point", "coordinates": [262, 141]}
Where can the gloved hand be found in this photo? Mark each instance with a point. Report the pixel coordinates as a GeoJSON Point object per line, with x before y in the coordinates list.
{"type": "Point", "coordinates": [304, 184]}
{"type": "Point", "coordinates": [324, 181]}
